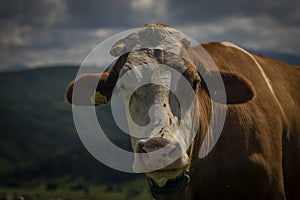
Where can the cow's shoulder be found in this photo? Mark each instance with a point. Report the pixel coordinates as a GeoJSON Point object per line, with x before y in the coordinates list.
{"type": "Point", "coordinates": [228, 56]}
{"type": "Point", "coordinates": [274, 82]}
{"type": "Point", "coordinates": [285, 80]}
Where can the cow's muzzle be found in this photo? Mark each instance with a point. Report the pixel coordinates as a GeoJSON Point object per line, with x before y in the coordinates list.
{"type": "Point", "coordinates": [159, 154]}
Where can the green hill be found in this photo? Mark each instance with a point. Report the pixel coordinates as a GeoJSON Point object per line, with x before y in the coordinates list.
{"type": "Point", "coordinates": [38, 139]}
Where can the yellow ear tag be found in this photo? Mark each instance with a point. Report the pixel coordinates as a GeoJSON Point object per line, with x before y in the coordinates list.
{"type": "Point", "coordinates": [98, 98]}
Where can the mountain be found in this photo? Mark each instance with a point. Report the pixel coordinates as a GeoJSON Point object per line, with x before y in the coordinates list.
{"type": "Point", "coordinates": [15, 67]}
{"type": "Point", "coordinates": [38, 138]}
{"type": "Point", "coordinates": [284, 57]}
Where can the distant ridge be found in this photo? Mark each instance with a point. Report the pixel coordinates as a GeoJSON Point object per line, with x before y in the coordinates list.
{"type": "Point", "coordinates": [14, 67]}
{"type": "Point", "coordinates": [38, 136]}
{"type": "Point", "coordinates": [284, 57]}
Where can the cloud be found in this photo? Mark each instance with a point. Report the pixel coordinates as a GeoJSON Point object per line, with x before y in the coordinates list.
{"type": "Point", "coordinates": [61, 31]}
{"type": "Point", "coordinates": [38, 13]}
{"type": "Point", "coordinates": [258, 33]}
{"type": "Point", "coordinates": [48, 47]}
{"type": "Point", "coordinates": [94, 14]}
{"type": "Point", "coordinates": [285, 12]}
{"type": "Point", "coordinates": [149, 11]}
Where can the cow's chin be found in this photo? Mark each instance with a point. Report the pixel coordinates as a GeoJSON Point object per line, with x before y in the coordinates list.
{"type": "Point", "coordinates": [169, 173]}
{"type": "Point", "coordinates": [161, 177]}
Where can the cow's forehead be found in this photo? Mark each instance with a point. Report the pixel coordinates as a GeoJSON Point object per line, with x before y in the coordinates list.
{"type": "Point", "coordinates": [151, 36]}
{"type": "Point", "coordinates": [154, 57]}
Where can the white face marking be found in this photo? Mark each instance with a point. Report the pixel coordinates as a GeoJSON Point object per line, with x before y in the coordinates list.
{"type": "Point", "coordinates": [166, 38]}
{"type": "Point", "coordinates": [151, 110]}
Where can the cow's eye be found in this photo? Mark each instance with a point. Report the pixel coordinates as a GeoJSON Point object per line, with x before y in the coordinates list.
{"type": "Point", "coordinates": [136, 95]}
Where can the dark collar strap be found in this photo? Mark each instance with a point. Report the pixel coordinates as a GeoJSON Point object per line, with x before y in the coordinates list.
{"type": "Point", "coordinates": [171, 187]}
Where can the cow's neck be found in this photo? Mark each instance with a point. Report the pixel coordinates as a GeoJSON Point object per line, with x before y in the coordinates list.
{"type": "Point", "coordinates": [205, 108]}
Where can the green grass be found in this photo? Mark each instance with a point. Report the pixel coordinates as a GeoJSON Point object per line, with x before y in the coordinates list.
{"type": "Point", "coordinates": [79, 189]}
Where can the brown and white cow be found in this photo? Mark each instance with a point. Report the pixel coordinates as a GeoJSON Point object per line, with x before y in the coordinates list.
{"type": "Point", "coordinates": [258, 153]}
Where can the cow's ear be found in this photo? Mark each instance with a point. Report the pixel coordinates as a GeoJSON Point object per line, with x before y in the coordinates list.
{"type": "Point", "coordinates": [237, 89]}
{"type": "Point", "coordinates": [91, 89]}
{"type": "Point", "coordinates": [125, 45]}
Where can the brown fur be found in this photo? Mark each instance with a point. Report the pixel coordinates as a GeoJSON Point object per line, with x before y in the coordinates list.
{"type": "Point", "coordinates": [254, 158]}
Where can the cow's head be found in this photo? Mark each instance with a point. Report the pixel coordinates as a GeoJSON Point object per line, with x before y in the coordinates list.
{"type": "Point", "coordinates": [161, 127]}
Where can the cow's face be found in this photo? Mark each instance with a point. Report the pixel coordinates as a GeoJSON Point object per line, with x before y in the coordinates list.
{"type": "Point", "coordinates": [161, 128]}
{"type": "Point", "coordinates": [158, 89]}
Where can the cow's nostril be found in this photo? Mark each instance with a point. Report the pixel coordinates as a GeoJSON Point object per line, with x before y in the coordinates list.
{"type": "Point", "coordinates": [172, 151]}
{"type": "Point", "coordinates": [152, 144]}
{"type": "Point", "coordinates": [140, 147]}
{"type": "Point", "coordinates": [157, 152]}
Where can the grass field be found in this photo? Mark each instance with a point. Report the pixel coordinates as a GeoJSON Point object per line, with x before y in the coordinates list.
{"type": "Point", "coordinates": [73, 190]}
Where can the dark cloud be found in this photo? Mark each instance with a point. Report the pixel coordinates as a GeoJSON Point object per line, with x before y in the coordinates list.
{"type": "Point", "coordinates": [95, 14]}
{"type": "Point", "coordinates": [285, 12]}
{"type": "Point", "coordinates": [49, 31]}
{"type": "Point", "coordinates": [117, 13]}
{"type": "Point", "coordinates": [37, 13]}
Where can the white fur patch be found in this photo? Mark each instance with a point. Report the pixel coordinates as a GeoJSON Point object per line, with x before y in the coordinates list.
{"type": "Point", "coordinates": [258, 65]}
{"type": "Point", "coordinates": [162, 120]}
{"type": "Point", "coordinates": [264, 75]}
{"type": "Point", "coordinates": [164, 38]}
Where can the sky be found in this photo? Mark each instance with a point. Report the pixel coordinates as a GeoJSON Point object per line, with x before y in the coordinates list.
{"type": "Point", "coordinates": [48, 32]}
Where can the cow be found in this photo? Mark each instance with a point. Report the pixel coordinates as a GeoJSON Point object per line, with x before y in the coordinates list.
{"type": "Point", "coordinates": [257, 155]}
